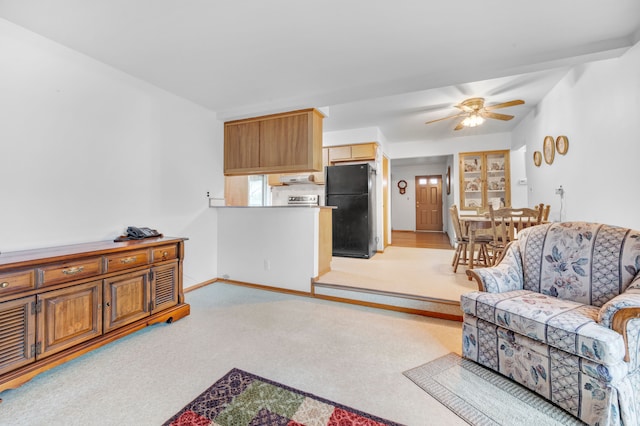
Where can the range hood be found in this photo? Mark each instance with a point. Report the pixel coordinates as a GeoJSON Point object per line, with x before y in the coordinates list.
{"type": "Point", "coordinates": [296, 179]}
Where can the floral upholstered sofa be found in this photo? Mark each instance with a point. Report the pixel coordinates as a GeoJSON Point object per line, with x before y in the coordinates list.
{"type": "Point", "coordinates": [560, 314]}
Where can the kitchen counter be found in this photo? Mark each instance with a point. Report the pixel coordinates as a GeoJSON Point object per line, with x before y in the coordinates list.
{"type": "Point", "coordinates": [274, 207]}
{"type": "Point", "coordinates": [213, 203]}
{"type": "Point", "coordinates": [276, 246]}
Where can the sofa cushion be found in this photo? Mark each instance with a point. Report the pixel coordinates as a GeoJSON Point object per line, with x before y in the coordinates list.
{"type": "Point", "coordinates": [563, 324]}
{"type": "Point", "coordinates": [587, 263]}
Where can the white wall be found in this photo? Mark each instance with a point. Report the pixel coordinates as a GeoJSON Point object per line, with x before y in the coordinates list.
{"type": "Point", "coordinates": [87, 150]}
{"type": "Point", "coordinates": [272, 246]}
{"type": "Point", "coordinates": [517, 165]}
{"type": "Point", "coordinates": [597, 107]}
{"type": "Point", "coordinates": [351, 136]}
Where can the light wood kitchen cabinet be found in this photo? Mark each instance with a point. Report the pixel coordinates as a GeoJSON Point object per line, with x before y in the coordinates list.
{"type": "Point", "coordinates": [484, 179]}
{"type": "Point", "coordinates": [357, 152]}
{"type": "Point", "coordinates": [318, 177]}
{"type": "Point", "coordinates": [280, 143]}
{"type": "Point", "coordinates": [236, 190]}
{"type": "Point", "coordinates": [61, 302]}
{"type": "Point", "coordinates": [241, 147]}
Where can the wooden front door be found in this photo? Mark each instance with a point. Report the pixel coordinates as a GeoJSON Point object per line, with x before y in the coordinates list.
{"type": "Point", "coordinates": [428, 203]}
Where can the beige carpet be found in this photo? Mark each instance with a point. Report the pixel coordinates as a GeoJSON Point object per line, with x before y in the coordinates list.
{"type": "Point", "coordinates": [411, 271]}
{"type": "Point", "coordinates": [351, 354]}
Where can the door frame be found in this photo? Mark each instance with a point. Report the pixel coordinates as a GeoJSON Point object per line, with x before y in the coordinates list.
{"type": "Point", "coordinates": [441, 181]}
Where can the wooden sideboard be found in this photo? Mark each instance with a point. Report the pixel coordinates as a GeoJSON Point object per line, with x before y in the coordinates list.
{"type": "Point", "coordinates": [58, 303]}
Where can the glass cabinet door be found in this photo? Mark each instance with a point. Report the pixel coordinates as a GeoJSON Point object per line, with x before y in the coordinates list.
{"type": "Point", "coordinates": [496, 181]}
{"type": "Point", "coordinates": [484, 180]}
{"type": "Point", "coordinates": [471, 181]}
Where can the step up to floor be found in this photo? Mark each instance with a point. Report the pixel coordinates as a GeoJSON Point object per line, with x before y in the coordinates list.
{"type": "Point", "coordinates": [421, 305]}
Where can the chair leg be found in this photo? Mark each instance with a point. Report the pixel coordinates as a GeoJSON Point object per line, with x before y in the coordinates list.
{"type": "Point", "coordinates": [456, 258]}
{"type": "Point", "coordinates": [485, 255]}
{"type": "Point", "coordinates": [461, 251]}
{"type": "Point", "coordinates": [481, 255]}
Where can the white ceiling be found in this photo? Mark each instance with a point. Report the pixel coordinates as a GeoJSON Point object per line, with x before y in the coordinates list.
{"type": "Point", "coordinates": [391, 64]}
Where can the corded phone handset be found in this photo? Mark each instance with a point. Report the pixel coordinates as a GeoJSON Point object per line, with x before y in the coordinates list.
{"type": "Point", "coordinates": [140, 233]}
{"type": "Point", "coordinates": [134, 233]}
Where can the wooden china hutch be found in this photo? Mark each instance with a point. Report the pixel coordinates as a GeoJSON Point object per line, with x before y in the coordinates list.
{"type": "Point", "coordinates": [485, 179]}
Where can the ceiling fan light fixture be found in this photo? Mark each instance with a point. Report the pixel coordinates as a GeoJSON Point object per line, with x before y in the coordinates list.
{"type": "Point", "coordinates": [473, 120]}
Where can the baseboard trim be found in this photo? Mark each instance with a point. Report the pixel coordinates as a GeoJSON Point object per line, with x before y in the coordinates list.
{"type": "Point", "coordinates": [266, 287]}
{"type": "Point", "coordinates": [202, 284]}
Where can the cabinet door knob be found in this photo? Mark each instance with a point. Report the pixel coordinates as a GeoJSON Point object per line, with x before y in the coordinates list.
{"type": "Point", "coordinates": [4, 285]}
{"type": "Point", "coordinates": [107, 304]}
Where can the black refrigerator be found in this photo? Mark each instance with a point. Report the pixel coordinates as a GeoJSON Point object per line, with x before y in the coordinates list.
{"type": "Point", "coordinates": [350, 189]}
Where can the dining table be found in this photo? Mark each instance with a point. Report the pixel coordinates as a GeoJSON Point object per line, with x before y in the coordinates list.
{"type": "Point", "coordinates": [474, 223]}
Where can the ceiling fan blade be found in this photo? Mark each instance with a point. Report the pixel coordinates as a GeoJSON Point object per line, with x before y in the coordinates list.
{"type": "Point", "coordinates": [504, 104]}
{"type": "Point", "coordinates": [445, 118]}
{"type": "Point", "coordinates": [459, 126]}
{"type": "Point", "coordinates": [487, 114]}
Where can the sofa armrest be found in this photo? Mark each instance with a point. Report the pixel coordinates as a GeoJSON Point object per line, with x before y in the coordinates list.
{"type": "Point", "coordinates": [619, 323]}
{"type": "Point", "coordinates": [505, 276]}
{"type": "Point", "coordinates": [617, 313]}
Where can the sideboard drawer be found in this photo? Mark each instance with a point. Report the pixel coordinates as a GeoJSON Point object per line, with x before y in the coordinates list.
{"type": "Point", "coordinates": [130, 259]}
{"type": "Point", "coordinates": [70, 271]}
{"type": "Point", "coordinates": [10, 282]}
{"type": "Point", "coordinates": [165, 253]}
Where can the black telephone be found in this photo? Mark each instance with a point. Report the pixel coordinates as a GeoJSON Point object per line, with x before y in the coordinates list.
{"type": "Point", "coordinates": [140, 233]}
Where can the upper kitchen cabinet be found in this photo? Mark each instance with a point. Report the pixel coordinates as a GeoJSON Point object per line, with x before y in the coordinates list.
{"type": "Point", "coordinates": [241, 146]}
{"type": "Point", "coordinates": [357, 152]}
{"type": "Point", "coordinates": [289, 142]}
{"type": "Point", "coordinates": [484, 179]}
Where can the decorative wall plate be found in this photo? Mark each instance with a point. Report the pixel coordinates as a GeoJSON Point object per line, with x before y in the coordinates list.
{"type": "Point", "coordinates": [537, 158]}
{"type": "Point", "coordinates": [548, 149]}
{"type": "Point", "coordinates": [562, 145]}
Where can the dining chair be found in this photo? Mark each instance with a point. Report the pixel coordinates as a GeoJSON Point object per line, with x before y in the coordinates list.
{"type": "Point", "coordinates": [462, 243]}
{"type": "Point", "coordinates": [545, 211]}
{"type": "Point", "coordinates": [505, 225]}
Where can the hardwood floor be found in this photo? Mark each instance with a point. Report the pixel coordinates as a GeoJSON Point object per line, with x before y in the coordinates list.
{"type": "Point", "coordinates": [437, 240]}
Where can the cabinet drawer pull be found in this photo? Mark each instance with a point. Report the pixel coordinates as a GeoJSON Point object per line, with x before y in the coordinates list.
{"type": "Point", "coordinates": [165, 253]}
{"type": "Point", "coordinates": [4, 285]}
{"type": "Point", "coordinates": [128, 260]}
{"type": "Point", "coordinates": [72, 271]}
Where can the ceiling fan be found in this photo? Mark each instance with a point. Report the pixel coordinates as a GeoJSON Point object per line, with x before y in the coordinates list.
{"type": "Point", "coordinates": [474, 112]}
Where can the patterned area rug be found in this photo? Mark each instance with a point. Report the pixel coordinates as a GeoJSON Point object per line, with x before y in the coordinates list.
{"type": "Point", "coordinates": [243, 399]}
{"type": "Point", "coordinates": [482, 397]}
